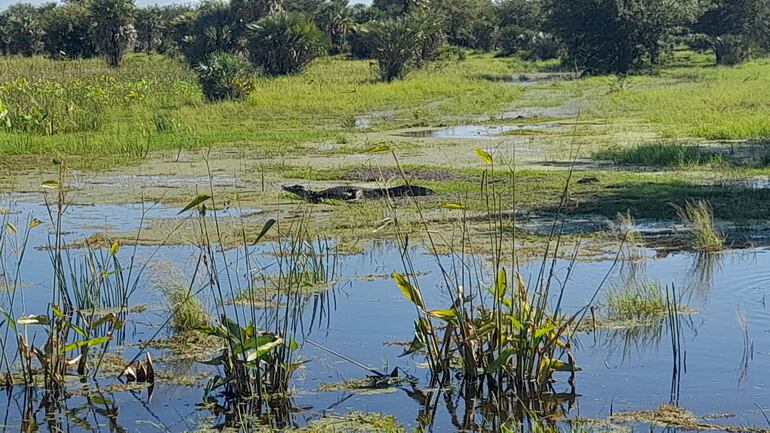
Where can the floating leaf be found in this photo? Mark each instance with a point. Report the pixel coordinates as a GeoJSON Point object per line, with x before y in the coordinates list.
{"type": "Point", "coordinates": [377, 149]}
{"type": "Point", "coordinates": [51, 184]}
{"type": "Point", "coordinates": [484, 155]}
{"type": "Point", "coordinates": [453, 206]}
{"type": "Point", "coordinates": [195, 202]}
{"type": "Point", "coordinates": [265, 229]}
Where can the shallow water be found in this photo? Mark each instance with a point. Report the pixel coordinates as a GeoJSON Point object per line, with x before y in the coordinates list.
{"type": "Point", "coordinates": [466, 132]}
{"type": "Point", "coordinates": [621, 370]}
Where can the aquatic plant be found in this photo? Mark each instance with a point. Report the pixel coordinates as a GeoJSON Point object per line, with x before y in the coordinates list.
{"type": "Point", "coordinates": [628, 235]}
{"type": "Point", "coordinates": [185, 309]}
{"type": "Point", "coordinates": [637, 301]}
{"type": "Point", "coordinates": [699, 218]}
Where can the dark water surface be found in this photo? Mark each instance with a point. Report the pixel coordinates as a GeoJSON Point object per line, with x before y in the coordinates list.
{"type": "Point", "coordinates": [622, 370]}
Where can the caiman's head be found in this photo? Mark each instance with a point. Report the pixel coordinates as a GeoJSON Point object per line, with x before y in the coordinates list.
{"type": "Point", "coordinates": [294, 189]}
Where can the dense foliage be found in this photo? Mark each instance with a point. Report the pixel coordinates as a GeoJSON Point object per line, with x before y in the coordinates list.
{"type": "Point", "coordinates": [224, 76]}
{"type": "Point", "coordinates": [281, 36]}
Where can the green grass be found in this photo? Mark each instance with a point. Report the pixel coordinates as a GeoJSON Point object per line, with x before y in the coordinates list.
{"type": "Point", "coordinates": [658, 154]}
{"type": "Point", "coordinates": [316, 106]}
{"type": "Point", "coordinates": [699, 217]}
{"type": "Point", "coordinates": [638, 301]}
{"type": "Point", "coordinates": [694, 101]}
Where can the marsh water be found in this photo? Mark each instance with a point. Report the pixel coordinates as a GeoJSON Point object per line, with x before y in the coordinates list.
{"type": "Point", "coordinates": [363, 312]}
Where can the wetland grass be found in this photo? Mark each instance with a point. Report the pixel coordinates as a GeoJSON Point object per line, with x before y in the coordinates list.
{"type": "Point", "coordinates": [699, 217]}
{"type": "Point", "coordinates": [658, 155]}
{"type": "Point", "coordinates": [638, 302]}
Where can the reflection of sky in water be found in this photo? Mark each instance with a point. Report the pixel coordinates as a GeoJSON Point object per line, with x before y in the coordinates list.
{"type": "Point", "coordinates": [621, 370]}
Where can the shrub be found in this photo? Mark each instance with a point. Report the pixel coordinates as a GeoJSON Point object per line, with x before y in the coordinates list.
{"type": "Point", "coordinates": [224, 76]}
{"type": "Point", "coordinates": [731, 50]}
{"type": "Point", "coordinates": [361, 42]}
{"type": "Point", "coordinates": [114, 32]}
{"type": "Point", "coordinates": [400, 43]}
{"type": "Point", "coordinates": [50, 108]}
{"type": "Point", "coordinates": [285, 43]}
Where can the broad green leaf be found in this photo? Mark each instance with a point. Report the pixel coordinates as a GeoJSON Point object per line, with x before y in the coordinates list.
{"type": "Point", "coordinates": [505, 355]}
{"type": "Point", "coordinates": [265, 229]}
{"type": "Point", "coordinates": [378, 149]}
{"type": "Point", "coordinates": [445, 315]}
{"type": "Point", "coordinates": [293, 345]}
{"type": "Point", "coordinates": [195, 202]}
{"type": "Point", "coordinates": [501, 285]}
{"type": "Point", "coordinates": [90, 343]}
{"type": "Point", "coordinates": [484, 155]}
{"type": "Point", "coordinates": [559, 365]}
{"type": "Point", "coordinates": [51, 184]}
{"type": "Point", "coordinates": [453, 206]}
{"type": "Point", "coordinates": [544, 330]}
{"type": "Point", "coordinates": [408, 290]}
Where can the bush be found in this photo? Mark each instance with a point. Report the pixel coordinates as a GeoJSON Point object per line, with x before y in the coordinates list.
{"type": "Point", "coordinates": [49, 108]}
{"type": "Point", "coordinates": [21, 29]}
{"type": "Point", "coordinates": [528, 44]}
{"type": "Point", "coordinates": [224, 76]}
{"type": "Point", "coordinates": [400, 43]}
{"type": "Point", "coordinates": [731, 50]}
{"type": "Point", "coordinates": [285, 43]}
{"type": "Point", "coordinates": [361, 42]}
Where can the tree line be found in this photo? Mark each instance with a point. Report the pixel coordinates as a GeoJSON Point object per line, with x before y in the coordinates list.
{"type": "Point", "coordinates": [282, 36]}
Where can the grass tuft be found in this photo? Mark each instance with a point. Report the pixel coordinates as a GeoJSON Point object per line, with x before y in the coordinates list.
{"type": "Point", "coordinates": [699, 217]}
{"type": "Point", "coordinates": [658, 154]}
{"type": "Point", "coordinates": [638, 301]}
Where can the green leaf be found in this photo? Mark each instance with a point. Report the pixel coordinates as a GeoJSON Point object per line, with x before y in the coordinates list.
{"type": "Point", "coordinates": [195, 202]}
{"type": "Point", "coordinates": [544, 330]}
{"type": "Point", "coordinates": [377, 149]}
{"type": "Point", "coordinates": [484, 155]}
{"type": "Point", "coordinates": [33, 320]}
{"type": "Point", "coordinates": [454, 206]}
{"type": "Point", "coordinates": [10, 228]}
{"type": "Point", "coordinates": [445, 315]}
{"type": "Point", "coordinates": [90, 343]}
{"type": "Point", "coordinates": [505, 355]}
{"type": "Point", "coordinates": [51, 184]}
{"type": "Point", "coordinates": [408, 290]}
{"type": "Point", "coordinates": [114, 248]}
{"type": "Point", "coordinates": [293, 345]}
{"type": "Point", "coordinates": [501, 285]}
{"type": "Point", "coordinates": [265, 229]}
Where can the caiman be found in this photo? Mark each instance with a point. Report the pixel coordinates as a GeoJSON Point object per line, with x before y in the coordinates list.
{"type": "Point", "coordinates": [356, 193]}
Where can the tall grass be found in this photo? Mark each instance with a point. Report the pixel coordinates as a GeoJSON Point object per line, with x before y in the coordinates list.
{"type": "Point", "coordinates": [658, 154]}
{"type": "Point", "coordinates": [699, 217]}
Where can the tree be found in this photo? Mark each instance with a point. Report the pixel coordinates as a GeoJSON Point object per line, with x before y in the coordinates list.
{"type": "Point", "coordinates": [150, 26]}
{"type": "Point", "coordinates": [114, 32]}
{"type": "Point", "coordinates": [335, 18]}
{"type": "Point", "coordinates": [468, 23]}
{"type": "Point", "coordinates": [22, 29]}
{"type": "Point", "coordinates": [67, 32]}
{"type": "Point", "coordinates": [285, 43]}
{"type": "Point", "coordinates": [210, 29]}
{"type": "Point", "coordinates": [618, 36]}
{"type": "Point", "coordinates": [736, 27]}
